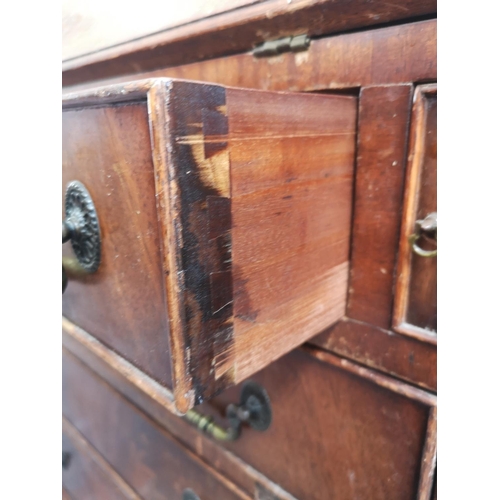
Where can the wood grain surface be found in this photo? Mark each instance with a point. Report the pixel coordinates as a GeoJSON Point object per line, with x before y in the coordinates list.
{"type": "Point", "coordinates": [254, 225]}
{"type": "Point", "coordinates": [397, 54]}
{"type": "Point", "coordinates": [87, 474]}
{"type": "Point", "coordinates": [305, 409]}
{"type": "Point", "coordinates": [384, 350]}
{"type": "Point", "coordinates": [239, 31]}
{"type": "Point", "coordinates": [157, 402]}
{"type": "Point", "coordinates": [343, 435]}
{"type": "Point", "coordinates": [108, 150]}
{"type": "Point", "coordinates": [291, 199]}
{"type": "Point", "coordinates": [415, 309]}
{"type": "Point", "coordinates": [340, 430]}
{"type": "Point", "coordinates": [144, 455]}
{"type": "Point", "coordinates": [251, 270]}
{"type": "Point", "coordinates": [384, 114]}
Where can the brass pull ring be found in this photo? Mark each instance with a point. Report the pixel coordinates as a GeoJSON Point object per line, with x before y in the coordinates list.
{"type": "Point", "coordinates": [428, 228]}
{"type": "Point", "coordinates": [254, 410]}
{"type": "Point", "coordinates": [81, 227]}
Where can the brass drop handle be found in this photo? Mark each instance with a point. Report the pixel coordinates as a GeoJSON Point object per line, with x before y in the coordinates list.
{"type": "Point", "coordinates": [425, 228]}
{"type": "Point", "coordinates": [81, 227]}
{"type": "Point", "coordinates": [254, 409]}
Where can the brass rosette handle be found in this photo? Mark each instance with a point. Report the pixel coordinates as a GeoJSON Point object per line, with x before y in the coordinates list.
{"type": "Point", "coordinates": [81, 227]}
{"type": "Point", "coordinates": [425, 229]}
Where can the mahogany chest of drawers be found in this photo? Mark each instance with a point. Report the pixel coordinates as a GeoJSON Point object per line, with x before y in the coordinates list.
{"type": "Point", "coordinates": [250, 307]}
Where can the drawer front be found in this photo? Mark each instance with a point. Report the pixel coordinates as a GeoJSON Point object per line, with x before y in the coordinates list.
{"type": "Point", "coordinates": [122, 304]}
{"type": "Point", "coordinates": [341, 435]}
{"type": "Point", "coordinates": [416, 291]}
{"type": "Point", "coordinates": [154, 464]}
{"type": "Point", "coordinates": [225, 221]}
{"type": "Point", "coordinates": [85, 474]}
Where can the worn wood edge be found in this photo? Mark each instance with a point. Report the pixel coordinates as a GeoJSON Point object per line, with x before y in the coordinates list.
{"type": "Point", "coordinates": [374, 41]}
{"type": "Point", "coordinates": [251, 363]}
{"type": "Point", "coordinates": [379, 379]}
{"type": "Point", "coordinates": [363, 168]}
{"type": "Point", "coordinates": [192, 383]}
{"type": "Point", "coordinates": [156, 401]}
{"type": "Point", "coordinates": [135, 90]}
{"type": "Point", "coordinates": [162, 414]}
{"type": "Point", "coordinates": [416, 332]}
{"type": "Point", "coordinates": [367, 362]}
{"type": "Point", "coordinates": [106, 362]}
{"type": "Point", "coordinates": [85, 447]}
{"type": "Point", "coordinates": [429, 458]}
{"type": "Point", "coordinates": [409, 209]}
{"type": "Point", "coordinates": [414, 168]}
{"type": "Point", "coordinates": [168, 208]}
{"type": "Point", "coordinates": [241, 29]}
{"type": "Point", "coordinates": [194, 448]}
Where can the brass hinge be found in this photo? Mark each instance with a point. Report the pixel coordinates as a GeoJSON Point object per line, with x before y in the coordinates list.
{"type": "Point", "coordinates": [286, 44]}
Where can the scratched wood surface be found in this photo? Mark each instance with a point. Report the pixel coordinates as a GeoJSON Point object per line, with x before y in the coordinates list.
{"type": "Point", "coordinates": [343, 435]}
{"type": "Point", "coordinates": [239, 31]}
{"type": "Point", "coordinates": [254, 196]}
{"type": "Point", "coordinates": [383, 130]}
{"type": "Point", "coordinates": [252, 271]}
{"type": "Point", "coordinates": [330, 420]}
{"type": "Point", "coordinates": [391, 55]}
{"type": "Point", "coordinates": [148, 458]}
{"type": "Point", "coordinates": [384, 350]}
{"type": "Point", "coordinates": [382, 134]}
{"type": "Point", "coordinates": [415, 311]}
{"type": "Point", "coordinates": [291, 183]}
{"type": "Point", "coordinates": [107, 149]}
{"type": "Point", "coordinates": [157, 402]}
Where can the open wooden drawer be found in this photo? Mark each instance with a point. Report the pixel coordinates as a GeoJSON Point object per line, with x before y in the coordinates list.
{"type": "Point", "coordinates": [224, 220]}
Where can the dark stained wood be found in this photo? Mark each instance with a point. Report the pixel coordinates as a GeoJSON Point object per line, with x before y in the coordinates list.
{"type": "Point", "coordinates": [389, 352]}
{"type": "Point", "coordinates": [279, 262]}
{"type": "Point", "coordinates": [239, 32]}
{"type": "Point", "coordinates": [107, 149]}
{"type": "Point", "coordinates": [147, 457]}
{"type": "Point", "coordinates": [391, 55]}
{"type": "Point", "coordinates": [88, 475]}
{"type": "Point", "coordinates": [254, 225]}
{"type": "Point", "coordinates": [382, 132]}
{"type": "Point", "coordinates": [157, 401]}
{"type": "Point", "coordinates": [415, 311]}
{"type": "Point", "coordinates": [343, 435]}
{"type": "Point", "coordinates": [192, 177]}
